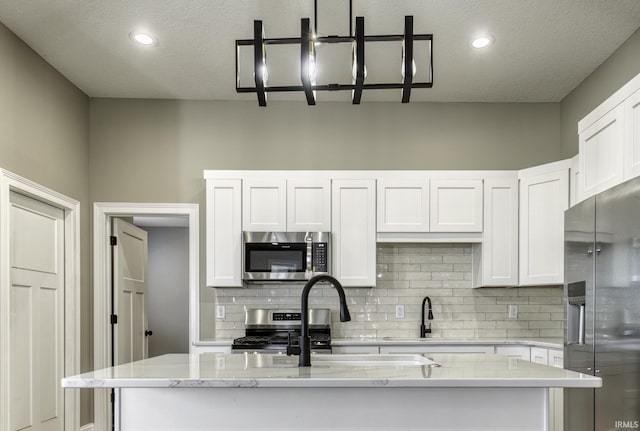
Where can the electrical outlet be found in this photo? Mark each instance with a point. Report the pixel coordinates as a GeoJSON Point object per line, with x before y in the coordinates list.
{"type": "Point", "coordinates": [221, 312]}
{"type": "Point", "coordinates": [513, 311]}
{"type": "Point", "coordinates": [399, 311]}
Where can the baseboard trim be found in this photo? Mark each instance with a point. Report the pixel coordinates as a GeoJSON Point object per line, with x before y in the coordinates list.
{"type": "Point", "coordinates": [87, 427]}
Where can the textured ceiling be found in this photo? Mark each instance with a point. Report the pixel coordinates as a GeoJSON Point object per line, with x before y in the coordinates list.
{"type": "Point", "coordinates": [543, 48]}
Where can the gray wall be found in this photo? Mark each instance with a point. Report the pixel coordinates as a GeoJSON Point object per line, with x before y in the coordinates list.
{"type": "Point", "coordinates": [619, 68]}
{"type": "Point", "coordinates": [44, 134]}
{"type": "Point", "coordinates": [156, 150]}
{"type": "Point", "coordinates": [168, 289]}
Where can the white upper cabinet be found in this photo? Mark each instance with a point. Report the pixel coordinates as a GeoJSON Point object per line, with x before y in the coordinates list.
{"type": "Point", "coordinates": [264, 205]}
{"type": "Point", "coordinates": [403, 205]}
{"type": "Point", "coordinates": [224, 233]}
{"type": "Point", "coordinates": [574, 180]}
{"type": "Point", "coordinates": [353, 209]}
{"type": "Point", "coordinates": [286, 205]}
{"type": "Point", "coordinates": [632, 136]}
{"type": "Point", "coordinates": [308, 205]}
{"type": "Point", "coordinates": [610, 142]}
{"type": "Point", "coordinates": [601, 153]}
{"type": "Point", "coordinates": [544, 196]}
{"type": "Point", "coordinates": [495, 260]}
{"type": "Point", "coordinates": [456, 205]}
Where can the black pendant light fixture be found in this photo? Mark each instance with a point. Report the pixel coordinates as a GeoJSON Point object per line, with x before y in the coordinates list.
{"type": "Point", "coordinates": [308, 41]}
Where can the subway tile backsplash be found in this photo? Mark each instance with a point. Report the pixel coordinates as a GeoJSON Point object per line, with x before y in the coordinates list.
{"type": "Point", "coordinates": [407, 273]}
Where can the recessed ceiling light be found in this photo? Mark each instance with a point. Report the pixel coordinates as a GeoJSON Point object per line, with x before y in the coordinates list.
{"type": "Point", "coordinates": [482, 42]}
{"type": "Point", "coordinates": [143, 39]}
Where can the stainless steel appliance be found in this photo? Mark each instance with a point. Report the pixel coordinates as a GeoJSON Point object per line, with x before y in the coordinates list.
{"type": "Point", "coordinates": [285, 256]}
{"type": "Point", "coordinates": [602, 293]}
{"type": "Point", "coordinates": [272, 330]}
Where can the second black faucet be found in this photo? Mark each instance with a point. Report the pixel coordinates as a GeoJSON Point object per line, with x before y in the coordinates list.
{"type": "Point", "coordinates": [423, 329]}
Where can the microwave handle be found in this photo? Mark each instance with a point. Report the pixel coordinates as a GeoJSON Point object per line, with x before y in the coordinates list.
{"type": "Point", "coordinates": [309, 270]}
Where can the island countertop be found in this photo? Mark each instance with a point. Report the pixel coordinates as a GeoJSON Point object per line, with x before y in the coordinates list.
{"type": "Point", "coordinates": [216, 370]}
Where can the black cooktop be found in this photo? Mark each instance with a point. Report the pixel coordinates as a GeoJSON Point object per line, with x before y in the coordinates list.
{"type": "Point", "coordinates": [279, 341]}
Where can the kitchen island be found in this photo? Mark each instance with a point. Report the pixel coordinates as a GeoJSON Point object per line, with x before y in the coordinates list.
{"type": "Point", "coordinates": [338, 392]}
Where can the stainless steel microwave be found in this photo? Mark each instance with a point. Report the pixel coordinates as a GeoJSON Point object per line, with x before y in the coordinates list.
{"type": "Point", "coordinates": [285, 256]}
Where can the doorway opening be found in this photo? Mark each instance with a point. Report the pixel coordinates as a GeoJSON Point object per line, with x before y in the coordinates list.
{"type": "Point", "coordinates": [168, 283]}
{"type": "Point", "coordinates": [145, 214]}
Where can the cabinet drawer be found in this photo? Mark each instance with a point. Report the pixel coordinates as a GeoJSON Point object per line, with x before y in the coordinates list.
{"type": "Point", "coordinates": [539, 355]}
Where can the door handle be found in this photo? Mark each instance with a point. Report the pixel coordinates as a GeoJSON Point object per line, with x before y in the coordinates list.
{"type": "Point", "coordinates": [148, 333]}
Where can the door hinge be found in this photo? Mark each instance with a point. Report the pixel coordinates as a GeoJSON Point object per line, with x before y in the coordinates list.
{"type": "Point", "coordinates": [114, 319]}
{"type": "Point", "coordinates": [113, 240]}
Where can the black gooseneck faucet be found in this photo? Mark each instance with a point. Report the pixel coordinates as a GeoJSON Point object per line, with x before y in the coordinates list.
{"type": "Point", "coordinates": [423, 329]}
{"type": "Point", "coordinates": [304, 342]}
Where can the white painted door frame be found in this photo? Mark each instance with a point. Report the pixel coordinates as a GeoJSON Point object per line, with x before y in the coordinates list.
{"type": "Point", "coordinates": [11, 182]}
{"type": "Point", "coordinates": [103, 212]}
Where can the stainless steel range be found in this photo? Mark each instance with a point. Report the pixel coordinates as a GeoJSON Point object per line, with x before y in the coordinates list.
{"type": "Point", "coordinates": [272, 330]}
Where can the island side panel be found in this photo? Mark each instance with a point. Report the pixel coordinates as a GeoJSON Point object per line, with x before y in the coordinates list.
{"type": "Point", "coordinates": [436, 409]}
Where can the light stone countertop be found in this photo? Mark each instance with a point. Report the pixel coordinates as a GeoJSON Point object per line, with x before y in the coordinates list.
{"type": "Point", "coordinates": [216, 370]}
{"type": "Point", "coordinates": [550, 343]}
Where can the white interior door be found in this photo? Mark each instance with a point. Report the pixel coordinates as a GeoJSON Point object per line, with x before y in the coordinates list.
{"type": "Point", "coordinates": [130, 293]}
{"type": "Point", "coordinates": [36, 357]}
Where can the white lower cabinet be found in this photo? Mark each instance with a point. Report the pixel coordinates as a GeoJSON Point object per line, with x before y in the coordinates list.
{"type": "Point", "coordinates": [522, 352]}
{"type": "Point", "coordinates": [353, 209]}
{"type": "Point", "coordinates": [421, 349]}
{"type": "Point", "coordinates": [219, 348]}
{"type": "Point", "coordinates": [556, 358]}
{"type": "Point", "coordinates": [518, 352]}
{"type": "Point", "coordinates": [358, 350]}
{"type": "Point", "coordinates": [540, 355]}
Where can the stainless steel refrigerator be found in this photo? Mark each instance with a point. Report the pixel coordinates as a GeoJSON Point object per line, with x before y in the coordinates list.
{"type": "Point", "coordinates": [602, 295]}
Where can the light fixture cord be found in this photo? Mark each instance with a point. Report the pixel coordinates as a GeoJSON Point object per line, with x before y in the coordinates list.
{"type": "Point", "coordinates": [351, 18]}
{"type": "Point", "coordinates": [315, 17]}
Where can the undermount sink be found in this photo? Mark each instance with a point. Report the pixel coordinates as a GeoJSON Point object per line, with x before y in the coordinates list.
{"type": "Point", "coordinates": [422, 340]}
{"type": "Point", "coordinates": [340, 360]}
{"type": "Point", "coordinates": [373, 360]}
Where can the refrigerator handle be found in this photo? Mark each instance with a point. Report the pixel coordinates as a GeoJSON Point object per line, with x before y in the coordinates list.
{"type": "Point", "coordinates": [581, 337]}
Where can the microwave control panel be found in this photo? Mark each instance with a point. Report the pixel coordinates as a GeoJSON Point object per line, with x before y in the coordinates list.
{"type": "Point", "coordinates": [319, 257]}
